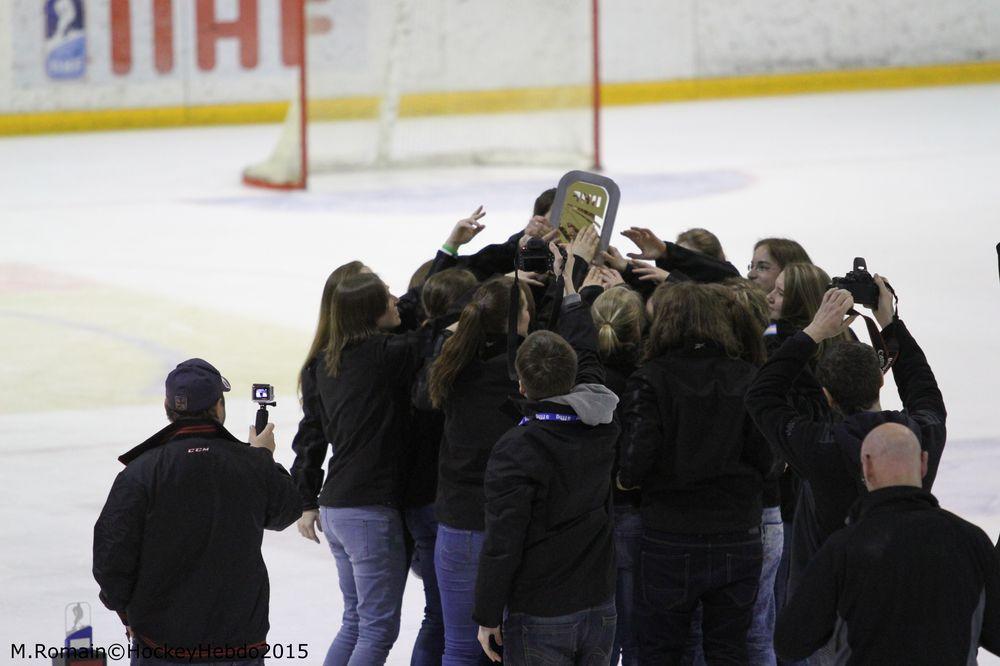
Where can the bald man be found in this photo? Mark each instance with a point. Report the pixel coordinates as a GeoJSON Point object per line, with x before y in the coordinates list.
{"type": "Point", "coordinates": [906, 582]}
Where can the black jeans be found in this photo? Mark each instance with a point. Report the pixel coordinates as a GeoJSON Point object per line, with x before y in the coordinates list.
{"type": "Point", "coordinates": [582, 638]}
{"type": "Point", "coordinates": [676, 572]}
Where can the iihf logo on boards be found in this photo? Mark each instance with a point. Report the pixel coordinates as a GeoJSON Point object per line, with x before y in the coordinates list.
{"type": "Point", "coordinates": [78, 650]}
{"type": "Point", "coordinates": [65, 39]}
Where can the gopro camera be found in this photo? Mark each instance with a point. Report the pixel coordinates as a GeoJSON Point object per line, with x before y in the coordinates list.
{"type": "Point", "coordinates": [263, 395]}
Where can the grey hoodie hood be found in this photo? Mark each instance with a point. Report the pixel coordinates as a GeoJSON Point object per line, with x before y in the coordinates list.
{"type": "Point", "coordinates": [593, 403]}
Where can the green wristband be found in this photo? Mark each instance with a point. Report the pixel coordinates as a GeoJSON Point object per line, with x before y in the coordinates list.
{"type": "Point", "coordinates": [453, 251]}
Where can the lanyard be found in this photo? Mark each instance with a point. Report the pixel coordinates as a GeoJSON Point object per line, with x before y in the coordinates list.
{"type": "Point", "coordinates": [548, 416]}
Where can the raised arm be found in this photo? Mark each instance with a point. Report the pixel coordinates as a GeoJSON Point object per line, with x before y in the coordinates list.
{"type": "Point", "coordinates": [803, 443]}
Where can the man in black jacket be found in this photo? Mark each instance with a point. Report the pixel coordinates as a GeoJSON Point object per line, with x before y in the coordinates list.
{"type": "Point", "coordinates": [905, 583]}
{"type": "Point", "coordinates": [177, 546]}
{"type": "Point", "coordinates": [827, 454]}
{"type": "Point", "coordinates": [548, 555]}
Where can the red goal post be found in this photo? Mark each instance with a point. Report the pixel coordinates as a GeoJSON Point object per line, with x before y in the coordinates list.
{"type": "Point", "coordinates": [439, 83]}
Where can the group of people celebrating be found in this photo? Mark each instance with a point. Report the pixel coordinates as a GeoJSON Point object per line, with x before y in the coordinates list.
{"type": "Point", "coordinates": [648, 459]}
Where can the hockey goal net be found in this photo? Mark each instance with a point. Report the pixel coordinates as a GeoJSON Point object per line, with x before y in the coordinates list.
{"type": "Point", "coordinates": [438, 83]}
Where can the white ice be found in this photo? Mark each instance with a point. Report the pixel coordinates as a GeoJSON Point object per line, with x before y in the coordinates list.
{"type": "Point", "coordinates": [123, 253]}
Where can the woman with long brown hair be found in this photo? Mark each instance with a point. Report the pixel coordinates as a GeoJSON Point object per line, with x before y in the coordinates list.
{"type": "Point", "coordinates": [309, 444]}
{"type": "Point", "coordinates": [363, 376]}
{"type": "Point", "coordinates": [692, 449]}
{"type": "Point", "coordinates": [469, 383]}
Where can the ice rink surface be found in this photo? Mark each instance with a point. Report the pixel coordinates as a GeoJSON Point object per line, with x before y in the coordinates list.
{"type": "Point", "coordinates": [124, 253]}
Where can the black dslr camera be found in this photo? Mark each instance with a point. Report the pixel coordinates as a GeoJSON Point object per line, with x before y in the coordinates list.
{"type": "Point", "coordinates": [860, 283]}
{"type": "Point", "coordinates": [535, 257]}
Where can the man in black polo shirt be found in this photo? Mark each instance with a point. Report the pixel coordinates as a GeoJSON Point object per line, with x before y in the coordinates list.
{"type": "Point", "coordinates": [177, 546]}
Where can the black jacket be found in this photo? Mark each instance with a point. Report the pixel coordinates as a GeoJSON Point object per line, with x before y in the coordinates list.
{"type": "Point", "coordinates": [690, 445]}
{"type": "Point", "coordinates": [617, 372]}
{"type": "Point", "coordinates": [827, 455]}
{"type": "Point", "coordinates": [905, 583]}
{"type": "Point", "coordinates": [309, 443]}
{"type": "Point", "coordinates": [366, 413]}
{"type": "Point", "coordinates": [806, 396]}
{"type": "Point", "coordinates": [549, 547]}
{"type": "Point", "coordinates": [177, 545]}
{"type": "Point", "coordinates": [690, 265]}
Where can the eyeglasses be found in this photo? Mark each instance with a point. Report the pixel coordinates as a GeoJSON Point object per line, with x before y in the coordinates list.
{"type": "Point", "coordinates": [760, 267]}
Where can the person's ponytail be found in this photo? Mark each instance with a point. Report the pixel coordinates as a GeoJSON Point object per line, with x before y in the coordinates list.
{"type": "Point", "coordinates": [607, 341]}
{"type": "Point", "coordinates": [484, 316]}
{"type": "Point", "coordinates": [618, 315]}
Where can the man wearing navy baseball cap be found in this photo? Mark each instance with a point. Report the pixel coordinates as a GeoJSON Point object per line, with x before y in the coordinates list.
{"type": "Point", "coordinates": [177, 546]}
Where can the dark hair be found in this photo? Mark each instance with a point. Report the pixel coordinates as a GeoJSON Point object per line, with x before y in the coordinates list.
{"type": "Point", "coordinates": [443, 290]}
{"type": "Point", "coordinates": [543, 204]}
{"type": "Point", "coordinates": [419, 276]}
{"type": "Point", "coordinates": [322, 333]}
{"type": "Point", "coordinates": [703, 241]}
{"type": "Point", "coordinates": [209, 413]}
{"type": "Point", "coordinates": [851, 374]}
{"type": "Point", "coordinates": [358, 302]}
{"type": "Point", "coordinates": [784, 251]}
{"type": "Point", "coordinates": [484, 316]}
{"type": "Point", "coordinates": [690, 313]}
{"type": "Point", "coordinates": [546, 365]}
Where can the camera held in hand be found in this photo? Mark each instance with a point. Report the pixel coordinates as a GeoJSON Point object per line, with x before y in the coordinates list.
{"type": "Point", "coordinates": [263, 395]}
{"type": "Point", "coordinates": [860, 283]}
{"type": "Point", "coordinates": [535, 257]}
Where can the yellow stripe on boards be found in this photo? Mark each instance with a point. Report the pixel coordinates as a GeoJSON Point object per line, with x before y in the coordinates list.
{"type": "Point", "coordinates": [508, 101]}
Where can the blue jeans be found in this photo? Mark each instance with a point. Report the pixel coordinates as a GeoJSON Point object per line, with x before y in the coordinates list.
{"type": "Point", "coordinates": [677, 572]}
{"type": "Point", "coordinates": [429, 647]}
{"type": "Point", "coordinates": [628, 535]}
{"type": "Point", "coordinates": [456, 561]}
{"type": "Point", "coordinates": [584, 638]}
{"type": "Point", "coordinates": [367, 543]}
{"type": "Point", "coordinates": [760, 638]}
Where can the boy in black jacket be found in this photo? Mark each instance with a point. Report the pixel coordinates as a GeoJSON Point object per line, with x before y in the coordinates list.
{"type": "Point", "coordinates": [548, 556]}
{"type": "Point", "coordinates": [825, 454]}
{"type": "Point", "coordinates": [905, 583]}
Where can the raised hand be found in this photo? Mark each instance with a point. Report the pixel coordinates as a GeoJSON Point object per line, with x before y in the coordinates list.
{"type": "Point", "coordinates": [649, 245]}
{"type": "Point", "coordinates": [886, 309]}
{"type": "Point", "coordinates": [649, 273]}
{"type": "Point", "coordinates": [830, 321]}
{"type": "Point", "coordinates": [595, 277]}
{"type": "Point", "coordinates": [610, 277]}
{"type": "Point", "coordinates": [466, 229]}
{"type": "Point", "coordinates": [614, 259]}
{"type": "Point", "coordinates": [585, 244]}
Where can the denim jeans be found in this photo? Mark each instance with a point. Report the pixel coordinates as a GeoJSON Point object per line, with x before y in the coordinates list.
{"type": "Point", "coordinates": [584, 638]}
{"type": "Point", "coordinates": [456, 561]}
{"type": "Point", "coordinates": [760, 638]}
{"type": "Point", "coordinates": [429, 647]}
{"type": "Point", "coordinates": [679, 571]}
{"type": "Point", "coordinates": [628, 535]}
{"type": "Point", "coordinates": [367, 543]}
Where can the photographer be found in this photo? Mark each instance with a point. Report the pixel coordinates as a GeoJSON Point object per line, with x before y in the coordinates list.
{"type": "Point", "coordinates": [548, 552]}
{"type": "Point", "coordinates": [690, 446]}
{"type": "Point", "coordinates": [177, 545]}
{"type": "Point", "coordinates": [826, 454]}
